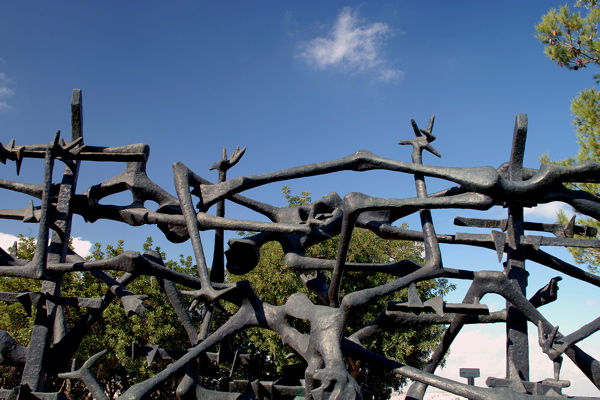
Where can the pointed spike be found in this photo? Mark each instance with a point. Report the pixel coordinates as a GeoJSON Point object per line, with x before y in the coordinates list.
{"type": "Point", "coordinates": [256, 386]}
{"type": "Point", "coordinates": [433, 151]}
{"type": "Point", "coordinates": [30, 213]}
{"type": "Point", "coordinates": [415, 128]}
{"type": "Point", "coordinates": [11, 144]}
{"type": "Point", "coordinates": [92, 360]}
{"type": "Point", "coordinates": [13, 249]}
{"type": "Point", "coordinates": [73, 144]}
{"type": "Point", "coordinates": [220, 355]}
{"type": "Point", "coordinates": [75, 151]}
{"type": "Point", "coordinates": [56, 139]}
{"type": "Point", "coordinates": [586, 230]}
{"type": "Point", "coordinates": [62, 142]}
{"type": "Point", "coordinates": [542, 340]}
{"type": "Point", "coordinates": [151, 355]}
{"type": "Point", "coordinates": [235, 362]}
{"type": "Point", "coordinates": [248, 392]}
{"type": "Point", "coordinates": [536, 242]}
{"type": "Point", "coordinates": [195, 303]}
{"type": "Point", "coordinates": [29, 300]}
{"type": "Point", "coordinates": [25, 299]}
{"type": "Point", "coordinates": [430, 126]}
{"type": "Point", "coordinates": [460, 221]}
{"type": "Point", "coordinates": [413, 296]}
{"type": "Point", "coordinates": [437, 303]}
{"type": "Point", "coordinates": [325, 234]}
{"type": "Point", "coordinates": [19, 160]}
{"type": "Point", "coordinates": [552, 335]}
{"type": "Point", "coordinates": [569, 229]}
{"type": "Point", "coordinates": [237, 155]}
{"type": "Point", "coordinates": [215, 165]}
{"type": "Point", "coordinates": [499, 239]}
{"type": "Point", "coordinates": [36, 298]}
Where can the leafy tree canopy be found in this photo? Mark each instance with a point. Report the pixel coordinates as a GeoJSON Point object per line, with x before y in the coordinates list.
{"type": "Point", "coordinates": [114, 331]}
{"type": "Point", "coordinates": [571, 39]}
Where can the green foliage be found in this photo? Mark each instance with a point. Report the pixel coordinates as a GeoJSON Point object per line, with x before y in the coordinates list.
{"type": "Point", "coordinates": [13, 317]}
{"type": "Point", "coordinates": [294, 201]}
{"type": "Point", "coordinates": [274, 284]}
{"type": "Point", "coordinates": [570, 38]}
{"type": "Point", "coordinates": [572, 41]}
{"type": "Point", "coordinates": [114, 331]}
{"type": "Point", "coordinates": [25, 247]}
{"type": "Point", "coordinates": [588, 256]}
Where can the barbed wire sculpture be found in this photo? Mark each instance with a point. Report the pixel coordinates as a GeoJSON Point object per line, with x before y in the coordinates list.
{"type": "Point", "coordinates": [324, 347]}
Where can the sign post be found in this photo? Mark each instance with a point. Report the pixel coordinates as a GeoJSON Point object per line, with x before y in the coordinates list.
{"type": "Point", "coordinates": [470, 374]}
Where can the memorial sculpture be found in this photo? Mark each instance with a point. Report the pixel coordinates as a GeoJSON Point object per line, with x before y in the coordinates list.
{"type": "Point", "coordinates": [323, 348]}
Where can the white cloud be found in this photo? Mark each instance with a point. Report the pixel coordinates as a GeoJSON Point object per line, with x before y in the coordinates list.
{"type": "Point", "coordinates": [6, 91]}
{"type": "Point", "coordinates": [7, 240]}
{"type": "Point", "coordinates": [82, 247]}
{"type": "Point", "coordinates": [4, 80]}
{"type": "Point", "coordinates": [353, 45]}
{"type": "Point", "coordinates": [547, 211]}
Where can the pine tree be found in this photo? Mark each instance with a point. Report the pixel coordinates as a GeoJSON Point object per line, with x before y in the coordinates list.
{"type": "Point", "coordinates": [571, 39]}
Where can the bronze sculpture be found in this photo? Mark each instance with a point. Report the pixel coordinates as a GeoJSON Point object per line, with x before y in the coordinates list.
{"type": "Point", "coordinates": [324, 347]}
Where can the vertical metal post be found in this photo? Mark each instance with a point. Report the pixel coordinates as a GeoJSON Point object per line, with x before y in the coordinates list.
{"type": "Point", "coordinates": [517, 345]}
{"type": "Point", "coordinates": [49, 319]}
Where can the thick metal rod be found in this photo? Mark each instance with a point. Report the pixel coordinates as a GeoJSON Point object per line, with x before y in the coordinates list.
{"type": "Point", "coordinates": [517, 343]}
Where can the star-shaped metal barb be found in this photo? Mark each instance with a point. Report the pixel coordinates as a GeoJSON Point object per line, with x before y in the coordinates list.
{"type": "Point", "coordinates": [422, 141]}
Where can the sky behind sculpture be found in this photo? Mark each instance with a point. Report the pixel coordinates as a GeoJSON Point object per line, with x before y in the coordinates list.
{"type": "Point", "coordinates": [294, 82]}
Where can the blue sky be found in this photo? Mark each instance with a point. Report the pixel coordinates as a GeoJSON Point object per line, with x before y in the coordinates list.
{"type": "Point", "coordinates": [295, 82]}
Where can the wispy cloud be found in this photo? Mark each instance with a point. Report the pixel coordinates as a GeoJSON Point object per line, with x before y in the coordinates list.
{"type": "Point", "coordinates": [592, 303]}
{"type": "Point", "coordinates": [353, 45]}
{"type": "Point", "coordinates": [291, 25]}
{"type": "Point", "coordinates": [6, 91]}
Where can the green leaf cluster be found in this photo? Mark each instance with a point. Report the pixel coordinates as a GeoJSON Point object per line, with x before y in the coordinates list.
{"type": "Point", "coordinates": [114, 331]}
{"type": "Point", "coordinates": [571, 39]}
